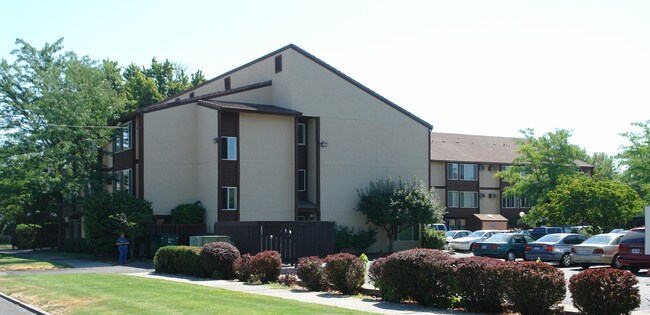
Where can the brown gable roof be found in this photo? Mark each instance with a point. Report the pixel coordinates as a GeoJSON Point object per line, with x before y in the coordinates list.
{"type": "Point", "coordinates": [476, 149]}
{"type": "Point", "coordinates": [249, 107]}
{"type": "Point", "coordinates": [322, 64]}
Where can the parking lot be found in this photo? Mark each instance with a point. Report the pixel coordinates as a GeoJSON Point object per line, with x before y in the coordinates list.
{"type": "Point", "coordinates": [644, 281]}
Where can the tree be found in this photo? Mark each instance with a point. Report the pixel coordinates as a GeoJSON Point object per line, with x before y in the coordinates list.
{"type": "Point", "coordinates": [395, 206]}
{"type": "Point", "coordinates": [635, 160]}
{"type": "Point", "coordinates": [541, 162]}
{"type": "Point", "coordinates": [582, 199]}
{"type": "Point", "coordinates": [54, 107]}
{"type": "Point", "coordinates": [604, 167]}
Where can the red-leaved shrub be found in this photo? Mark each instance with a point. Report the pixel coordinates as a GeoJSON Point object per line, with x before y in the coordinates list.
{"type": "Point", "coordinates": [534, 287]}
{"type": "Point", "coordinates": [345, 272]}
{"type": "Point", "coordinates": [605, 291]}
{"type": "Point", "coordinates": [311, 273]}
{"type": "Point", "coordinates": [243, 268]}
{"type": "Point", "coordinates": [267, 266]}
{"type": "Point", "coordinates": [423, 275]}
{"type": "Point", "coordinates": [218, 258]}
{"type": "Point", "coordinates": [481, 280]}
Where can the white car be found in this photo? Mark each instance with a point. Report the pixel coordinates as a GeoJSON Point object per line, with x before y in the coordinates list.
{"type": "Point", "coordinates": [451, 235]}
{"type": "Point", "coordinates": [465, 243]}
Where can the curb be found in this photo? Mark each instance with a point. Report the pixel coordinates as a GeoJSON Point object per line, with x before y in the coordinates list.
{"type": "Point", "coordinates": [24, 305]}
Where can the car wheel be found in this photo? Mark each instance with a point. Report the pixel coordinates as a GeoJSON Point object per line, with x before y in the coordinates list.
{"type": "Point", "coordinates": [585, 266]}
{"type": "Point", "coordinates": [510, 256]}
{"type": "Point", "coordinates": [565, 260]}
{"type": "Point", "coordinates": [615, 263]}
{"type": "Point", "coordinates": [633, 269]}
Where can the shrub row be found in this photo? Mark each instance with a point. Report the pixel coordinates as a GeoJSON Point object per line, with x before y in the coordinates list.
{"type": "Point", "coordinates": [264, 267]}
{"type": "Point", "coordinates": [185, 260]}
{"type": "Point", "coordinates": [605, 291]}
{"type": "Point", "coordinates": [343, 272]}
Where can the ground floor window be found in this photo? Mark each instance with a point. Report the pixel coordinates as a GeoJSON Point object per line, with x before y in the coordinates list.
{"type": "Point", "coordinates": [229, 198]}
{"type": "Point", "coordinates": [455, 224]}
{"type": "Point", "coordinates": [411, 233]}
{"type": "Point", "coordinates": [122, 181]}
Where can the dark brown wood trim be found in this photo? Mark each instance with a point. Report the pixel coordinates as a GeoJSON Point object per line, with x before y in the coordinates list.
{"type": "Point", "coordinates": [317, 144]}
{"type": "Point", "coordinates": [295, 169]}
{"type": "Point", "coordinates": [490, 188]}
{"type": "Point", "coordinates": [440, 187]}
{"type": "Point", "coordinates": [141, 157]}
{"type": "Point", "coordinates": [429, 161]}
{"type": "Point", "coordinates": [219, 181]}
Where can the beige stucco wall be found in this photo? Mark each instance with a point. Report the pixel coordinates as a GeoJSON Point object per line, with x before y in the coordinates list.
{"type": "Point", "coordinates": [267, 171]}
{"type": "Point", "coordinates": [207, 159]}
{"type": "Point", "coordinates": [170, 157]}
{"type": "Point", "coordinates": [438, 174]}
{"type": "Point", "coordinates": [486, 176]}
{"type": "Point", "coordinates": [490, 205]}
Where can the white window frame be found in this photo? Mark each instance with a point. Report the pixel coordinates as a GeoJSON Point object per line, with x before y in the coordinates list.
{"type": "Point", "coordinates": [461, 198]}
{"type": "Point", "coordinates": [461, 171]}
{"type": "Point", "coordinates": [452, 171]}
{"type": "Point", "coordinates": [229, 148]}
{"type": "Point", "coordinates": [122, 137]}
{"type": "Point", "coordinates": [302, 174]}
{"type": "Point", "coordinates": [119, 184]}
{"type": "Point", "coordinates": [302, 134]}
{"type": "Point", "coordinates": [453, 201]}
{"type": "Point", "coordinates": [226, 202]}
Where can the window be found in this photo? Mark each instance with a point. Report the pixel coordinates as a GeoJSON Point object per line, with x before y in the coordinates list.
{"type": "Point", "coordinates": [229, 148]}
{"type": "Point", "coordinates": [122, 181]}
{"type": "Point", "coordinates": [302, 134]}
{"type": "Point", "coordinates": [457, 224]}
{"type": "Point", "coordinates": [122, 140]}
{"type": "Point", "coordinates": [468, 199]}
{"type": "Point", "coordinates": [229, 198]}
{"type": "Point", "coordinates": [411, 233]}
{"type": "Point", "coordinates": [302, 180]}
{"type": "Point", "coordinates": [452, 171]}
{"type": "Point", "coordinates": [278, 63]}
{"type": "Point", "coordinates": [226, 83]}
{"type": "Point", "coordinates": [468, 172]}
{"type": "Point", "coordinates": [452, 199]}
{"type": "Point", "coordinates": [504, 168]}
{"type": "Point", "coordinates": [514, 202]}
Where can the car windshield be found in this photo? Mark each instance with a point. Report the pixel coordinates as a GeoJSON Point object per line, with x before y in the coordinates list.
{"type": "Point", "coordinates": [450, 233]}
{"type": "Point", "coordinates": [598, 239]}
{"type": "Point", "coordinates": [477, 234]}
{"type": "Point", "coordinates": [499, 238]}
{"type": "Point", "coordinates": [550, 238]}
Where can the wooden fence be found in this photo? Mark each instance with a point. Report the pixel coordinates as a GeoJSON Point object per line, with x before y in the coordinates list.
{"type": "Point", "coordinates": [290, 238]}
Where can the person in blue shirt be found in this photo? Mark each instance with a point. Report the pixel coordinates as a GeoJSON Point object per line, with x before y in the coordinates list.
{"type": "Point", "coordinates": [122, 246]}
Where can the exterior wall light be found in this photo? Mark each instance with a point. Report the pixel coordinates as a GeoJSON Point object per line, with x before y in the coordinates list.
{"type": "Point", "coordinates": [323, 144]}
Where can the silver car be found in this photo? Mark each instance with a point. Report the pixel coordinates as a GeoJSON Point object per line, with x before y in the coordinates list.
{"type": "Point", "coordinates": [465, 243]}
{"type": "Point", "coordinates": [601, 249]}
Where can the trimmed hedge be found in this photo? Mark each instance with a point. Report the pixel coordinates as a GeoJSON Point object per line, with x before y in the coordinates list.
{"type": "Point", "coordinates": [218, 258]}
{"type": "Point", "coordinates": [184, 260]}
{"type": "Point", "coordinates": [345, 272]}
{"type": "Point", "coordinates": [267, 266]}
{"type": "Point", "coordinates": [533, 287]}
{"type": "Point", "coordinates": [422, 275]}
{"type": "Point", "coordinates": [481, 283]}
{"type": "Point", "coordinates": [433, 238]}
{"type": "Point", "coordinates": [27, 235]}
{"type": "Point", "coordinates": [605, 291]}
{"type": "Point", "coordinates": [311, 273]}
{"type": "Point", "coordinates": [243, 268]}
{"type": "Point", "coordinates": [188, 213]}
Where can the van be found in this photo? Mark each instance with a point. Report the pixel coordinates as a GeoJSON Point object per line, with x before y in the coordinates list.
{"type": "Point", "coordinates": [543, 230]}
{"type": "Point", "coordinates": [632, 250]}
{"type": "Point", "coordinates": [438, 227]}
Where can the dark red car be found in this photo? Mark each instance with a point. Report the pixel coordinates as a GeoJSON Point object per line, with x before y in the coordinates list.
{"type": "Point", "coordinates": [632, 250]}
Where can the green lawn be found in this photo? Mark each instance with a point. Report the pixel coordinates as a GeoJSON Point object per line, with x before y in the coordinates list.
{"type": "Point", "coordinates": [22, 262]}
{"type": "Point", "coordinates": [121, 294]}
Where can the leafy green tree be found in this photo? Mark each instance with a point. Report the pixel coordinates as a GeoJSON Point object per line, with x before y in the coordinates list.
{"type": "Point", "coordinates": [538, 167]}
{"type": "Point", "coordinates": [395, 206]}
{"type": "Point", "coordinates": [635, 159]}
{"type": "Point", "coordinates": [582, 199]}
{"type": "Point", "coordinates": [604, 167]}
{"type": "Point", "coordinates": [54, 107]}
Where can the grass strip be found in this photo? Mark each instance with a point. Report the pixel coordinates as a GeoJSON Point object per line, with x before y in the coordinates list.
{"type": "Point", "coordinates": [17, 263]}
{"type": "Point", "coordinates": [120, 294]}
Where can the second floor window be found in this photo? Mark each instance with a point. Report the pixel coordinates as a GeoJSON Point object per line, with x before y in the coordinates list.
{"type": "Point", "coordinates": [452, 199]}
{"type": "Point", "coordinates": [302, 134]}
{"type": "Point", "coordinates": [468, 199]}
{"type": "Point", "coordinates": [122, 140]}
{"type": "Point", "coordinates": [229, 198]}
{"type": "Point", "coordinates": [229, 148]}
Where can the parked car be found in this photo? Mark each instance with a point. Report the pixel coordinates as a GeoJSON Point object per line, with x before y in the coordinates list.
{"type": "Point", "coordinates": [632, 250]}
{"type": "Point", "coordinates": [618, 231]}
{"type": "Point", "coordinates": [508, 246]}
{"type": "Point", "coordinates": [438, 227]}
{"type": "Point", "coordinates": [543, 230]}
{"type": "Point", "coordinates": [457, 234]}
{"type": "Point", "coordinates": [601, 249]}
{"type": "Point", "coordinates": [465, 243]}
{"type": "Point", "coordinates": [555, 248]}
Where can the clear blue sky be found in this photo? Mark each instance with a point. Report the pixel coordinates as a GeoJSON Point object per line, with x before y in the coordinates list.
{"type": "Point", "coordinates": [476, 67]}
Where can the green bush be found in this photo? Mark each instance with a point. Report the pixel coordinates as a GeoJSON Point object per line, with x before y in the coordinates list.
{"type": "Point", "coordinates": [433, 239]}
{"type": "Point", "coordinates": [27, 235]}
{"type": "Point", "coordinates": [77, 245]}
{"type": "Point", "coordinates": [420, 274]}
{"type": "Point", "coordinates": [534, 287]}
{"type": "Point", "coordinates": [605, 291]}
{"type": "Point", "coordinates": [102, 227]}
{"type": "Point", "coordinates": [345, 272]}
{"type": "Point", "coordinates": [5, 239]}
{"type": "Point", "coordinates": [184, 260]}
{"type": "Point", "coordinates": [311, 273]}
{"type": "Point", "coordinates": [348, 240]}
{"type": "Point", "coordinates": [189, 213]}
{"type": "Point", "coordinates": [218, 259]}
{"type": "Point", "coordinates": [481, 283]}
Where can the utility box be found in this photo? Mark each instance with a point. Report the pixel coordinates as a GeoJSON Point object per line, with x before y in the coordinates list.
{"type": "Point", "coordinates": [201, 240]}
{"type": "Point", "coordinates": [157, 241]}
